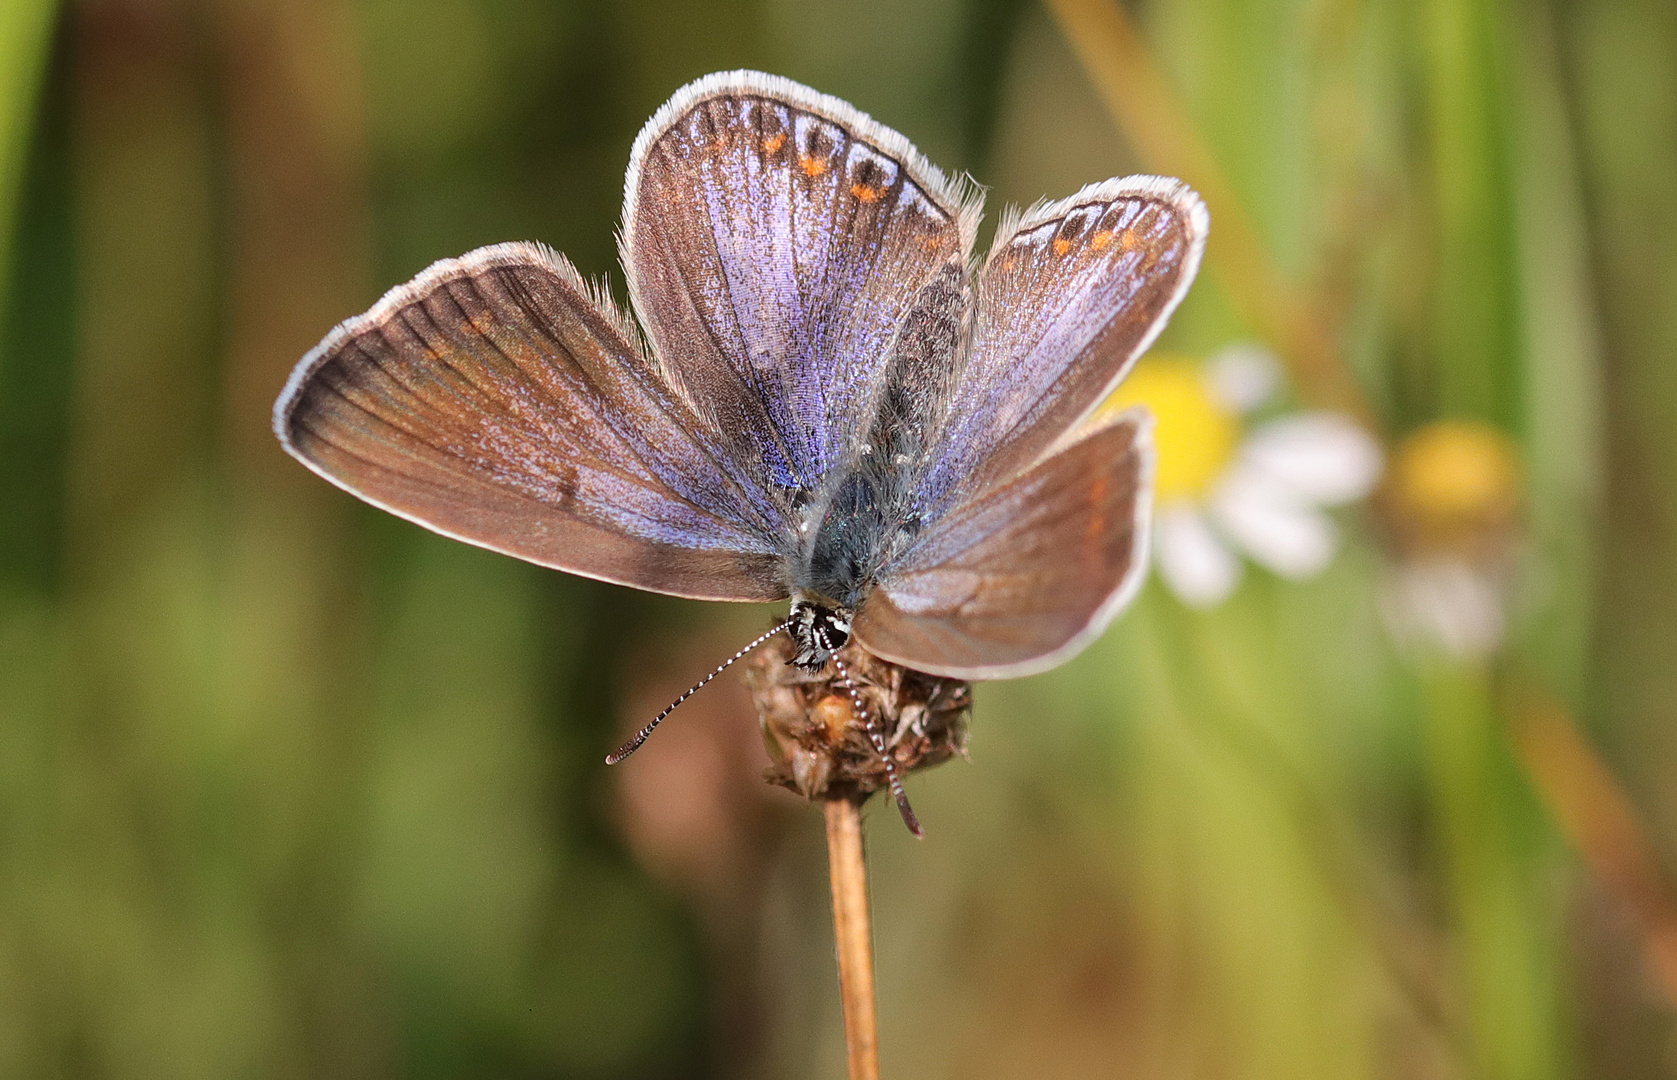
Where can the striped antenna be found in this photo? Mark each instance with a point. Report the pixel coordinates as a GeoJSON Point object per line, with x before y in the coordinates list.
{"type": "Point", "coordinates": [644, 733]}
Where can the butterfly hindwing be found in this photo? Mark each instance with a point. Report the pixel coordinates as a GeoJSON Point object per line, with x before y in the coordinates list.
{"type": "Point", "coordinates": [493, 399]}
{"type": "Point", "coordinates": [1020, 578]}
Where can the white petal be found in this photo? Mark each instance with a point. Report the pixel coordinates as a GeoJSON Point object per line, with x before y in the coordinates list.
{"type": "Point", "coordinates": [1448, 603]}
{"type": "Point", "coordinates": [1275, 527]}
{"type": "Point", "coordinates": [1192, 561]}
{"type": "Point", "coordinates": [1323, 457]}
{"type": "Point", "coordinates": [1243, 376]}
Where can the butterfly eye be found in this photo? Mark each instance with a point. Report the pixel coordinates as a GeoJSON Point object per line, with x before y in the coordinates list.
{"type": "Point", "coordinates": [832, 630]}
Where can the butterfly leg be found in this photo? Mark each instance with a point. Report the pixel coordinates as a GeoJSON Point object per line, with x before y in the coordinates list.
{"type": "Point", "coordinates": [876, 735]}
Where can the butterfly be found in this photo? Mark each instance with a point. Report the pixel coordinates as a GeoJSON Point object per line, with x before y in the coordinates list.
{"type": "Point", "coordinates": [820, 395]}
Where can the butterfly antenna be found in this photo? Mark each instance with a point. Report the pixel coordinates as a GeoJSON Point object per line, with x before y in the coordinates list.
{"type": "Point", "coordinates": [876, 735]}
{"type": "Point", "coordinates": [644, 733]}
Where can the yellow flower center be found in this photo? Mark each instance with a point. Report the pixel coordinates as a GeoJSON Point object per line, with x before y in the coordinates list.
{"type": "Point", "coordinates": [1195, 434]}
{"type": "Point", "coordinates": [1452, 480]}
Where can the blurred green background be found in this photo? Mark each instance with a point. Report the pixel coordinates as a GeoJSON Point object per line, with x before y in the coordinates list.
{"type": "Point", "coordinates": [291, 788]}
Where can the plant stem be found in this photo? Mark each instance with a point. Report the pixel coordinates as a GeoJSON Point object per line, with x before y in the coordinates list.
{"type": "Point", "coordinates": [1596, 815]}
{"type": "Point", "coordinates": [854, 934]}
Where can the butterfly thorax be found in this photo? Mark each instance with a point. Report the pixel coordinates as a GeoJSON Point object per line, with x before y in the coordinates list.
{"type": "Point", "coordinates": [835, 564]}
{"type": "Point", "coordinates": [852, 534]}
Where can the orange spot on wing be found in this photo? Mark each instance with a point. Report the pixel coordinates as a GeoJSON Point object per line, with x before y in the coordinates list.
{"type": "Point", "coordinates": [1101, 239]}
{"type": "Point", "coordinates": [1096, 529]}
{"type": "Point", "coordinates": [774, 142]}
{"type": "Point", "coordinates": [1128, 240]}
{"type": "Point", "coordinates": [1061, 246]}
{"type": "Point", "coordinates": [812, 165]}
{"type": "Point", "coordinates": [865, 193]}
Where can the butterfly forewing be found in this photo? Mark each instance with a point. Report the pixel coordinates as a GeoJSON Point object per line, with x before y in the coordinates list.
{"type": "Point", "coordinates": [493, 400]}
{"type": "Point", "coordinates": [775, 239]}
{"type": "Point", "coordinates": [1020, 578]}
{"type": "Point", "coordinates": [1070, 295]}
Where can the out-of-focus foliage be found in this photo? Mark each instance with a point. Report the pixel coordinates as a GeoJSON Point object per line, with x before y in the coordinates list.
{"type": "Point", "coordinates": [290, 788]}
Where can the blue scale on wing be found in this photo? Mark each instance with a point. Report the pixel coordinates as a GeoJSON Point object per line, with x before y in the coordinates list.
{"type": "Point", "coordinates": [1065, 303]}
{"type": "Point", "coordinates": [773, 253]}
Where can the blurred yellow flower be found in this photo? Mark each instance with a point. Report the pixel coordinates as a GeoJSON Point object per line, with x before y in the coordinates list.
{"type": "Point", "coordinates": [1194, 433]}
{"type": "Point", "coordinates": [1454, 484]}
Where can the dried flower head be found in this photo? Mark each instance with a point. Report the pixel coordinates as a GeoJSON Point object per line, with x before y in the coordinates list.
{"type": "Point", "coordinates": [820, 747]}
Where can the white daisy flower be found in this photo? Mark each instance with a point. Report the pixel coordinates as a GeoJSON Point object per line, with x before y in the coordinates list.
{"type": "Point", "coordinates": [1226, 488]}
{"type": "Point", "coordinates": [1452, 506]}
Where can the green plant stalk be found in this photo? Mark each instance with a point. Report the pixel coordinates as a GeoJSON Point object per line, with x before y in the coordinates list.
{"type": "Point", "coordinates": [1560, 363]}
{"type": "Point", "coordinates": [1475, 324]}
{"type": "Point", "coordinates": [1491, 860]}
{"type": "Point", "coordinates": [25, 36]}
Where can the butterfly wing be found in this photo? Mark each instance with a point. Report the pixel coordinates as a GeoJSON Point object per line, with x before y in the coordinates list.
{"type": "Point", "coordinates": [1037, 511]}
{"type": "Point", "coordinates": [494, 399]}
{"type": "Point", "coordinates": [1023, 577]}
{"type": "Point", "coordinates": [1071, 293]}
{"type": "Point", "coordinates": [775, 239]}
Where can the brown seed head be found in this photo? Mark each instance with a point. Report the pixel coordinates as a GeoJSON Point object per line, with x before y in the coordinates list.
{"type": "Point", "coordinates": [819, 746]}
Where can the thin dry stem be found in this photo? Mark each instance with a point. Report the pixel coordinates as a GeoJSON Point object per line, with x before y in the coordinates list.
{"type": "Point", "coordinates": [854, 934]}
{"type": "Point", "coordinates": [1597, 817]}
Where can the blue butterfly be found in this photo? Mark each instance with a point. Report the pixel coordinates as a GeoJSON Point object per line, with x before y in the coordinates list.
{"type": "Point", "coordinates": [821, 396]}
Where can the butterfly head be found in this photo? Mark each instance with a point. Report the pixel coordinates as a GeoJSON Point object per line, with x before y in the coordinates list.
{"type": "Point", "coordinates": [818, 629]}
